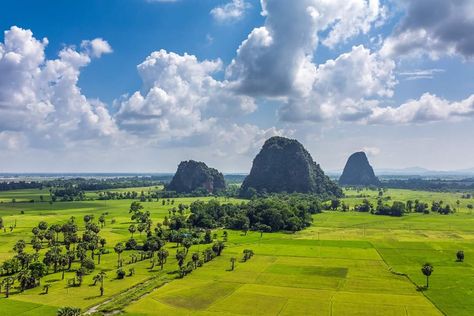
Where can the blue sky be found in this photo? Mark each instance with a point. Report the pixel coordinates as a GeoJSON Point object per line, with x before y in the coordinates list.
{"type": "Point", "coordinates": [137, 85]}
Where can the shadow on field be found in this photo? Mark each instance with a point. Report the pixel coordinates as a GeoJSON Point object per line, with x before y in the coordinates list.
{"type": "Point", "coordinates": [52, 281]}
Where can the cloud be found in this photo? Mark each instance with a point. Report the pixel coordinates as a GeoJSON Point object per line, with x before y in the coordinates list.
{"type": "Point", "coordinates": [371, 151]}
{"type": "Point", "coordinates": [244, 139]}
{"type": "Point", "coordinates": [420, 74]}
{"type": "Point", "coordinates": [276, 58]}
{"type": "Point", "coordinates": [429, 108]}
{"type": "Point", "coordinates": [345, 88]}
{"type": "Point", "coordinates": [179, 98]}
{"type": "Point", "coordinates": [40, 98]}
{"type": "Point", "coordinates": [434, 28]}
{"type": "Point", "coordinates": [231, 11]}
{"type": "Point", "coordinates": [97, 47]}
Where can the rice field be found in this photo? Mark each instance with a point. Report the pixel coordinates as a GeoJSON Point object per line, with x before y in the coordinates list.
{"type": "Point", "coordinates": [346, 263]}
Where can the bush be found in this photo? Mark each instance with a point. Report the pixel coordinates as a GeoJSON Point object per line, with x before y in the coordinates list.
{"type": "Point", "coordinates": [88, 264]}
{"type": "Point", "coordinates": [120, 274]}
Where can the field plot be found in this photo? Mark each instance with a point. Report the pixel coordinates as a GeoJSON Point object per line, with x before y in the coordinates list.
{"type": "Point", "coordinates": [290, 276]}
{"type": "Point", "coordinates": [346, 263]}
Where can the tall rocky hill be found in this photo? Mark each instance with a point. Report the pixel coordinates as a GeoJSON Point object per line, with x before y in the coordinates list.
{"type": "Point", "coordinates": [284, 165]}
{"type": "Point", "coordinates": [194, 175]}
{"type": "Point", "coordinates": [358, 171]}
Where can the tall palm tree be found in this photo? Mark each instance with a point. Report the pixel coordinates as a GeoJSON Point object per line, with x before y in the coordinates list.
{"type": "Point", "coordinates": [427, 269]}
{"type": "Point", "coordinates": [8, 283]}
{"type": "Point", "coordinates": [100, 278]}
{"type": "Point", "coordinates": [162, 255]}
{"type": "Point", "coordinates": [119, 248]}
{"type": "Point", "coordinates": [25, 278]}
{"type": "Point", "coordinates": [180, 256]}
{"type": "Point", "coordinates": [195, 258]}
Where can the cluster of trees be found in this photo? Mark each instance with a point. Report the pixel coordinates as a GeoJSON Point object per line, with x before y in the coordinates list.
{"type": "Point", "coordinates": [19, 185]}
{"type": "Point", "coordinates": [290, 213]}
{"type": "Point", "coordinates": [173, 230]}
{"type": "Point", "coordinates": [56, 247]}
{"type": "Point", "coordinates": [430, 184]}
{"type": "Point", "coordinates": [85, 184]}
{"type": "Point", "coordinates": [62, 245]}
{"type": "Point", "coordinates": [396, 208]}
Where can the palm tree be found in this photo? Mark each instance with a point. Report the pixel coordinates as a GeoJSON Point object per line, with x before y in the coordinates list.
{"type": "Point", "coordinates": [162, 255]}
{"type": "Point", "coordinates": [132, 229]}
{"type": "Point", "coordinates": [187, 243]}
{"type": "Point", "coordinates": [69, 311]}
{"type": "Point", "coordinates": [180, 256]}
{"type": "Point", "coordinates": [25, 278]}
{"type": "Point", "coordinates": [195, 258]}
{"type": "Point", "coordinates": [100, 278]}
{"type": "Point", "coordinates": [8, 283]}
{"type": "Point", "coordinates": [427, 269]}
{"type": "Point", "coordinates": [118, 250]}
{"type": "Point", "coordinates": [232, 261]}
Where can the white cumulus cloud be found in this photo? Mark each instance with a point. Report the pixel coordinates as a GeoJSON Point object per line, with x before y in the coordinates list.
{"type": "Point", "coordinates": [40, 98]}
{"type": "Point", "coordinates": [231, 11]}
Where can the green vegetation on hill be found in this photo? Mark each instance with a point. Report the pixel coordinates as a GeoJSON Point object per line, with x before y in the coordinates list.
{"type": "Point", "coordinates": [196, 177]}
{"type": "Point", "coordinates": [284, 165]}
{"type": "Point", "coordinates": [358, 171]}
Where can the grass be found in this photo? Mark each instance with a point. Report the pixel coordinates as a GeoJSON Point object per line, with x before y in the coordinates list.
{"type": "Point", "coordinates": [345, 263]}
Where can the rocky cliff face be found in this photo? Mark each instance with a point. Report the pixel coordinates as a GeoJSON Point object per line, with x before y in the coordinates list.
{"type": "Point", "coordinates": [284, 165]}
{"type": "Point", "coordinates": [193, 175]}
{"type": "Point", "coordinates": [358, 171]}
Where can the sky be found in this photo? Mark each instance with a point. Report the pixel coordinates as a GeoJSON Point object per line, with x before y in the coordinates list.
{"type": "Point", "coordinates": [140, 85]}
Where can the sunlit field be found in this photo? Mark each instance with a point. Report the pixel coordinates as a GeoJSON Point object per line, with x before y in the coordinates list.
{"type": "Point", "coordinates": [345, 263]}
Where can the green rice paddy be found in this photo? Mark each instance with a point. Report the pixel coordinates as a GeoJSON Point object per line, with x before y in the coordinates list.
{"type": "Point", "coordinates": [344, 264]}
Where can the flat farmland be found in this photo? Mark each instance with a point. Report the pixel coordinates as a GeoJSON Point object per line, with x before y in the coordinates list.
{"type": "Point", "coordinates": [346, 263]}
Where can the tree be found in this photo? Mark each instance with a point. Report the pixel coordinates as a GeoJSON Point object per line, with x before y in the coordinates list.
{"type": "Point", "coordinates": [232, 261]}
{"type": "Point", "coordinates": [63, 262]}
{"type": "Point", "coordinates": [162, 255]}
{"type": "Point", "coordinates": [180, 257]}
{"type": "Point", "coordinates": [335, 203]}
{"type": "Point", "coordinates": [120, 274]}
{"type": "Point", "coordinates": [80, 273]}
{"type": "Point", "coordinates": [43, 225]}
{"type": "Point", "coordinates": [187, 243]}
{"type": "Point", "coordinates": [262, 228]}
{"type": "Point", "coordinates": [19, 246]}
{"type": "Point", "coordinates": [100, 278]}
{"type": "Point", "coordinates": [460, 255]}
{"type": "Point", "coordinates": [38, 270]}
{"type": "Point", "coordinates": [37, 246]}
{"type": "Point", "coordinates": [26, 279]}
{"type": "Point", "coordinates": [7, 284]}
{"type": "Point", "coordinates": [69, 311]}
{"type": "Point", "coordinates": [248, 253]}
{"type": "Point", "coordinates": [207, 237]}
{"type": "Point", "coordinates": [88, 264]}
{"type": "Point", "coordinates": [427, 270]}
{"type": "Point", "coordinates": [195, 258]}
{"type": "Point", "coordinates": [102, 220]}
{"type": "Point", "coordinates": [218, 247]}
{"type": "Point", "coordinates": [132, 229]}
{"type": "Point", "coordinates": [119, 248]}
